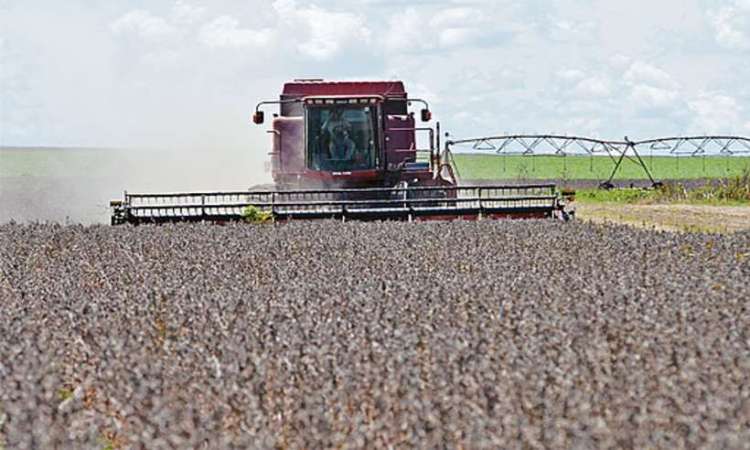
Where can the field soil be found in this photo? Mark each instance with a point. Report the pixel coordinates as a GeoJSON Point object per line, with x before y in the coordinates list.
{"type": "Point", "coordinates": [671, 217]}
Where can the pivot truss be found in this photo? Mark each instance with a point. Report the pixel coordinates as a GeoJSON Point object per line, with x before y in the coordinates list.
{"type": "Point", "coordinates": [618, 151]}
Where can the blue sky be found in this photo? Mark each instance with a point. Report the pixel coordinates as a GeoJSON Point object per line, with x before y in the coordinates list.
{"type": "Point", "coordinates": [188, 73]}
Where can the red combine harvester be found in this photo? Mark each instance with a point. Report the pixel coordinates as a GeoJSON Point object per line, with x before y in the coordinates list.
{"type": "Point", "coordinates": [349, 150]}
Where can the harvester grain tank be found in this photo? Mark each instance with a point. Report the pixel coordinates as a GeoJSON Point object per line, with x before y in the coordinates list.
{"type": "Point", "coordinates": [350, 150]}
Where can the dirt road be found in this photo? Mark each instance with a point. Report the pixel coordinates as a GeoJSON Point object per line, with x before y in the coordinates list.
{"type": "Point", "coordinates": [715, 219]}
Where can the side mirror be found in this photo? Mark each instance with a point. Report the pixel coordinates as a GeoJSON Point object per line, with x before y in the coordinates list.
{"type": "Point", "coordinates": [258, 117]}
{"type": "Point", "coordinates": [426, 115]}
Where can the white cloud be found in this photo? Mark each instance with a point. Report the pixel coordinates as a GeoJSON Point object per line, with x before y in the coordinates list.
{"type": "Point", "coordinates": [587, 126]}
{"type": "Point", "coordinates": [151, 27]}
{"type": "Point", "coordinates": [651, 88]}
{"type": "Point", "coordinates": [145, 25]}
{"type": "Point", "coordinates": [732, 25]}
{"type": "Point", "coordinates": [596, 86]}
{"type": "Point", "coordinates": [571, 31]}
{"type": "Point", "coordinates": [619, 61]}
{"type": "Point", "coordinates": [643, 73]}
{"type": "Point", "coordinates": [414, 30]}
{"type": "Point", "coordinates": [187, 14]}
{"type": "Point", "coordinates": [715, 113]}
{"type": "Point", "coordinates": [185, 21]}
{"type": "Point", "coordinates": [454, 17]}
{"type": "Point", "coordinates": [453, 37]}
{"type": "Point", "coordinates": [536, 66]}
{"type": "Point", "coordinates": [570, 74]}
{"type": "Point", "coordinates": [649, 97]}
{"type": "Point", "coordinates": [405, 32]}
{"type": "Point", "coordinates": [225, 32]}
{"type": "Point", "coordinates": [321, 34]}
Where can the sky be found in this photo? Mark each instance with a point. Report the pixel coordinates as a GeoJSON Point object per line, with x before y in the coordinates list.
{"type": "Point", "coordinates": [136, 73]}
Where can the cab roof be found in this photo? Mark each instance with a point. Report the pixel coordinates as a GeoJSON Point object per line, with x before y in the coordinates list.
{"type": "Point", "coordinates": [306, 88]}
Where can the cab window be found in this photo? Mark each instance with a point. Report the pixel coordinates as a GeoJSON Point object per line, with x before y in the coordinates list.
{"type": "Point", "coordinates": [341, 137]}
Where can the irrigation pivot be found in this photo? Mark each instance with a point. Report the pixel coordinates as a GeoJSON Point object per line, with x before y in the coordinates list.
{"type": "Point", "coordinates": [617, 150]}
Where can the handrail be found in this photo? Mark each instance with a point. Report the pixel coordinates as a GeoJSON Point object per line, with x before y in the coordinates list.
{"type": "Point", "coordinates": [340, 191]}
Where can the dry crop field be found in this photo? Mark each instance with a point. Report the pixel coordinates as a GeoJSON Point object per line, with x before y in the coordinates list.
{"type": "Point", "coordinates": [529, 334]}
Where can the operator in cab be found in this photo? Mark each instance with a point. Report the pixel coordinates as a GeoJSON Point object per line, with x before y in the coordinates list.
{"type": "Point", "coordinates": [340, 146]}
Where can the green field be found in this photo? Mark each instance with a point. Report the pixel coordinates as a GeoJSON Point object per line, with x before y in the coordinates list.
{"type": "Point", "coordinates": [494, 167]}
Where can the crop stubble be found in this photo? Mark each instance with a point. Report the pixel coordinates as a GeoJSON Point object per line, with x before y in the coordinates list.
{"type": "Point", "coordinates": [482, 335]}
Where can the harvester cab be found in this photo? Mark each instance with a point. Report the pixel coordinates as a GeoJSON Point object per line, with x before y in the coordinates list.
{"type": "Point", "coordinates": [350, 150]}
{"type": "Point", "coordinates": [351, 135]}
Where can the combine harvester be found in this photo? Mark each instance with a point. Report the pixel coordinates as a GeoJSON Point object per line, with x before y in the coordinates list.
{"type": "Point", "coordinates": [348, 150]}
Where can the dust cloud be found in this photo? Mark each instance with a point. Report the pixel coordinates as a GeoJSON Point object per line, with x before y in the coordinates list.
{"type": "Point", "coordinates": [168, 147]}
{"type": "Point", "coordinates": [76, 185]}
